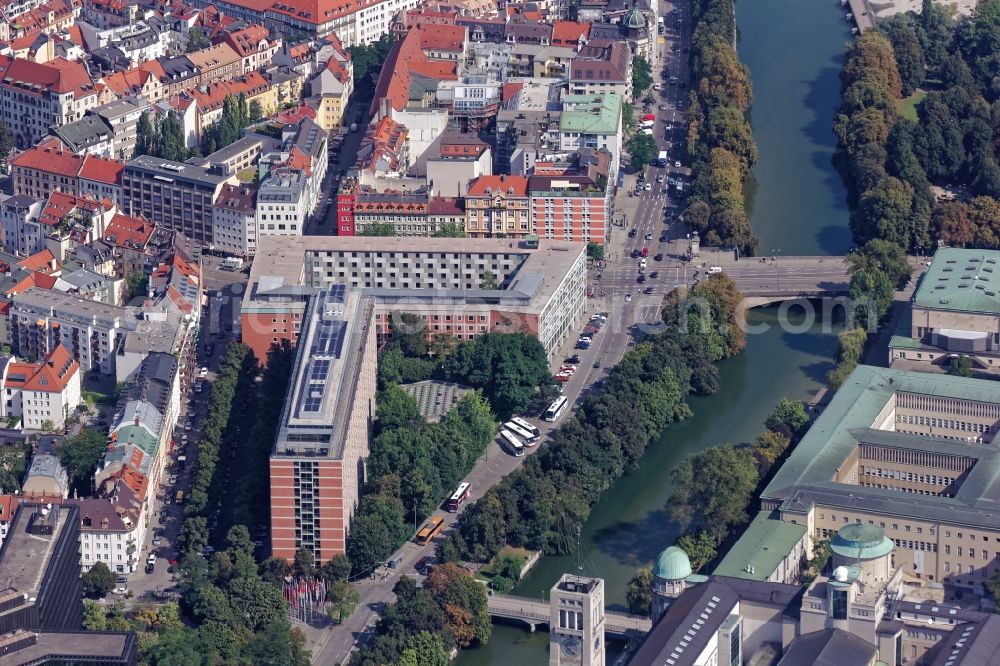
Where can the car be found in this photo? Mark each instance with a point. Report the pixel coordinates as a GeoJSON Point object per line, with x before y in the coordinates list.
{"type": "Point", "coordinates": [591, 330]}
{"type": "Point", "coordinates": [677, 164]}
{"type": "Point", "coordinates": [644, 253]}
{"type": "Point", "coordinates": [675, 47]}
{"type": "Point", "coordinates": [647, 187]}
{"type": "Point", "coordinates": [597, 364]}
{"type": "Point", "coordinates": [628, 297]}
{"type": "Point", "coordinates": [632, 233]}
{"type": "Point", "coordinates": [423, 565]}
{"type": "Point", "coordinates": [157, 541]}
{"type": "Point", "coordinates": [197, 387]}
{"type": "Point", "coordinates": [203, 372]}
{"type": "Point", "coordinates": [394, 563]}
{"type": "Point", "coordinates": [121, 580]}
{"type": "Point", "coordinates": [669, 126]}
{"type": "Point", "coordinates": [640, 279]}
{"type": "Point", "coordinates": [673, 80]}
{"type": "Point", "coordinates": [184, 438]}
{"type": "Point", "coordinates": [654, 275]}
{"type": "Point", "coordinates": [151, 559]}
{"type": "Point", "coordinates": [172, 480]}
{"type": "Point", "coordinates": [658, 257]}
{"type": "Point", "coordinates": [567, 368]}
{"type": "Point", "coordinates": [562, 376]}
{"type": "Point", "coordinates": [647, 290]}
{"type": "Point", "coordinates": [150, 568]}
{"type": "Point", "coordinates": [575, 358]}
{"type": "Point", "coordinates": [659, 178]}
{"type": "Point", "coordinates": [120, 591]}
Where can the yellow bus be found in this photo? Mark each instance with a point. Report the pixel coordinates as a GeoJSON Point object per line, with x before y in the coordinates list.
{"type": "Point", "coordinates": [430, 530]}
{"type": "Point", "coordinates": [179, 498]}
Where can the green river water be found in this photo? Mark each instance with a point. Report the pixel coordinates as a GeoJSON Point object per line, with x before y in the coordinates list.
{"type": "Point", "coordinates": [793, 50]}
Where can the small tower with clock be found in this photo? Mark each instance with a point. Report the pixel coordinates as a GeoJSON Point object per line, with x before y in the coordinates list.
{"type": "Point", "coordinates": [576, 625]}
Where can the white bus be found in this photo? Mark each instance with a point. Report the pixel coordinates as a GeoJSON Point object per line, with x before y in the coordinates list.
{"type": "Point", "coordinates": [520, 432]}
{"type": "Point", "coordinates": [511, 444]}
{"type": "Point", "coordinates": [556, 409]}
{"type": "Point", "coordinates": [535, 432]}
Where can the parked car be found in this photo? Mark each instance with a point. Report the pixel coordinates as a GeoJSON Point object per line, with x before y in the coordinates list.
{"type": "Point", "coordinates": [120, 590]}
{"type": "Point", "coordinates": [423, 565]}
{"type": "Point", "coordinates": [658, 257]}
{"type": "Point", "coordinates": [575, 358]}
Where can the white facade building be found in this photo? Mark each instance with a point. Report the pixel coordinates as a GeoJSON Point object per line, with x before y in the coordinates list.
{"type": "Point", "coordinates": [282, 204]}
{"type": "Point", "coordinates": [40, 394]}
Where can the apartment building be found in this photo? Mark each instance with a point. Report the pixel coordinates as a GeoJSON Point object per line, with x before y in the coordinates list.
{"type": "Point", "coordinates": [602, 67]}
{"type": "Point", "coordinates": [177, 195]}
{"type": "Point", "coordinates": [911, 454]}
{"type": "Point", "coordinates": [572, 200]}
{"type": "Point", "coordinates": [407, 213]}
{"type": "Point", "coordinates": [234, 220]}
{"type": "Point", "coordinates": [332, 86]}
{"type": "Point", "coordinates": [42, 394]}
{"type": "Point", "coordinates": [41, 319]}
{"type": "Point", "coordinates": [21, 228]}
{"type": "Point", "coordinates": [954, 313]}
{"type": "Point", "coordinates": [316, 466]}
{"type": "Point", "coordinates": [540, 290]}
{"type": "Point", "coordinates": [46, 168]}
{"type": "Point", "coordinates": [282, 204]}
{"type": "Point", "coordinates": [122, 115]}
{"type": "Point", "coordinates": [36, 96]}
{"type": "Point", "coordinates": [592, 121]}
{"type": "Point", "coordinates": [498, 207]}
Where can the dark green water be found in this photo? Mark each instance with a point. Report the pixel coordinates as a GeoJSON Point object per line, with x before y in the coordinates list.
{"type": "Point", "coordinates": [628, 527]}
{"type": "Point", "coordinates": [794, 51]}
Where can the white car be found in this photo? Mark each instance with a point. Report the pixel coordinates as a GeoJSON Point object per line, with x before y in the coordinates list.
{"type": "Point", "coordinates": [628, 297]}
{"type": "Point", "coordinates": [156, 541]}
{"type": "Point", "coordinates": [121, 591]}
{"type": "Point", "coordinates": [647, 187]}
{"type": "Point", "coordinates": [172, 480]}
{"type": "Point", "coordinates": [677, 164]}
{"type": "Point", "coordinates": [203, 372]}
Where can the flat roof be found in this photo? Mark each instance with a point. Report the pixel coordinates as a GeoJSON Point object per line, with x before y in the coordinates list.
{"type": "Point", "coordinates": [961, 281]}
{"type": "Point", "coordinates": [766, 541]}
{"type": "Point", "coordinates": [805, 478]}
{"type": "Point", "coordinates": [54, 303]}
{"type": "Point", "coordinates": [24, 557]}
{"type": "Point", "coordinates": [92, 644]}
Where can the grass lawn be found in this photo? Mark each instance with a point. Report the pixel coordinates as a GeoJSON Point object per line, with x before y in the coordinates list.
{"type": "Point", "coordinates": [247, 175]}
{"type": "Point", "coordinates": [907, 107]}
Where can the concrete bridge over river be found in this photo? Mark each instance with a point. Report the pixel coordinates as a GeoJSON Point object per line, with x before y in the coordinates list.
{"type": "Point", "coordinates": [534, 612]}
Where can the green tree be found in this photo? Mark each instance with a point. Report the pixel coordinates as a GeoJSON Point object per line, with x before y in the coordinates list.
{"type": "Point", "coordinates": [6, 142]}
{"type": "Point", "coordinates": [642, 76]}
{"type": "Point", "coordinates": [712, 490]}
{"type": "Point", "coordinates": [508, 367]}
{"type": "Point", "coordinates": [79, 455]}
{"type": "Point", "coordinates": [850, 347]}
{"type": "Point", "coordinates": [424, 649]}
{"type": "Point", "coordinates": [396, 409]}
{"type": "Point", "coordinates": [642, 149]}
{"type": "Point", "coordinates": [789, 416]}
{"type": "Point", "coordinates": [378, 229]}
{"type": "Point", "coordinates": [489, 281]}
{"type": "Point", "coordinates": [699, 547]}
{"type": "Point", "coordinates": [93, 616]}
{"type": "Point", "coordinates": [137, 283]}
{"type": "Point", "coordinates": [961, 366]}
{"type": "Point", "coordinates": [98, 580]}
{"type": "Point", "coordinates": [304, 563]}
{"type": "Point", "coordinates": [816, 565]}
{"type": "Point", "coordinates": [172, 143]}
{"type": "Point", "coordinates": [450, 230]}
{"type": "Point", "coordinates": [343, 600]}
{"type": "Point", "coordinates": [145, 138]}
{"type": "Point", "coordinates": [408, 333]}
{"type": "Point", "coordinates": [639, 592]}
{"type": "Point", "coordinates": [771, 445]}
{"type": "Point", "coordinates": [595, 251]}
{"type": "Point", "coordinates": [48, 425]}
{"type": "Point", "coordinates": [255, 111]}
{"type": "Point", "coordinates": [197, 40]}
{"type": "Point", "coordinates": [484, 528]}
{"type": "Point", "coordinates": [337, 568]}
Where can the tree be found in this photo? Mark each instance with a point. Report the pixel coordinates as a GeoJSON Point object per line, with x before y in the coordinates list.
{"type": "Point", "coordinates": [642, 148]}
{"type": "Point", "coordinates": [93, 616]}
{"type": "Point", "coordinates": [197, 40]}
{"type": "Point", "coordinates": [699, 547]}
{"type": "Point", "coordinates": [6, 142]}
{"type": "Point", "coordinates": [343, 600]}
{"type": "Point", "coordinates": [79, 455]}
{"type": "Point", "coordinates": [450, 230]}
{"type": "Point", "coordinates": [506, 366]}
{"type": "Point", "coordinates": [771, 445]}
{"type": "Point", "coordinates": [815, 566]}
{"type": "Point", "coordinates": [993, 587]}
{"type": "Point", "coordinates": [137, 283]}
{"type": "Point", "coordinates": [408, 333]}
{"type": "Point", "coordinates": [642, 76]}
{"type": "Point", "coordinates": [489, 282]}
{"type": "Point", "coordinates": [396, 409]}
{"type": "Point", "coordinates": [424, 649]}
{"type": "Point", "coordinates": [595, 251]}
{"type": "Point", "coordinates": [337, 568]}
{"type": "Point", "coordinates": [712, 489]}
{"type": "Point", "coordinates": [48, 425]}
{"type": "Point", "coordinates": [639, 592]}
{"type": "Point", "coordinates": [378, 229]}
{"type": "Point", "coordinates": [98, 580]}
{"type": "Point", "coordinates": [850, 347]}
{"type": "Point", "coordinates": [961, 366]}
{"type": "Point", "coordinates": [484, 528]}
{"type": "Point", "coordinates": [255, 111]}
{"type": "Point", "coordinates": [145, 138]}
{"type": "Point", "coordinates": [789, 416]}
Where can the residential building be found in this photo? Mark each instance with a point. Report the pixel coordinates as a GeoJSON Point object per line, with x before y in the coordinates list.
{"type": "Point", "coordinates": [234, 220]}
{"type": "Point", "coordinates": [178, 196]}
{"type": "Point", "coordinates": [211, 98]}
{"type": "Point", "coordinates": [46, 477]}
{"type": "Point", "coordinates": [592, 121]}
{"type": "Point", "coordinates": [602, 68]}
{"type": "Point", "coordinates": [541, 290]}
{"type": "Point", "coordinates": [498, 207]}
{"type": "Point", "coordinates": [303, 147]}
{"type": "Point", "coordinates": [346, 199]}
{"type": "Point", "coordinates": [67, 221]}
{"type": "Point", "coordinates": [253, 46]}
{"type": "Point", "coordinates": [101, 179]}
{"type": "Point", "coordinates": [331, 88]}
{"type": "Point", "coordinates": [384, 153]}
{"type": "Point", "coordinates": [35, 97]}
{"type": "Point", "coordinates": [21, 228]}
{"type": "Point", "coordinates": [122, 116]}
{"type": "Point", "coordinates": [316, 465]}
{"type": "Point", "coordinates": [46, 168]}
{"type": "Point", "coordinates": [112, 530]}
{"type": "Point", "coordinates": [407, 213]}
{"type": "Point", "coordinates": [572, 200]}
{"type": "Point", "coordinates": [90, 330]}
{"type": "Point", "coordinates": [407, 64]}
{"type": "Point", "coordinates": [41, 395]}
{"type": "Point", "coordinates": [282, 204]}
{"type": "Point", "coordinates": [954, 313]}
{"type": "Point", "coordinates": [129, 238]}
{"type": "Point", "coordinates": [89, 135]}
{"type": "Point", "coordinates": [133, 43]}
{"type": "Point", "coordinates": [216, 63]}
{"type": "Point", "coordinates": [460, 157]}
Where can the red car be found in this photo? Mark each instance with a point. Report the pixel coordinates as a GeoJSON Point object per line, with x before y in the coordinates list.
{"type": "Point", "coordinates": [649, 116]}
{"type": "Point", "coordinates": [645, 252]}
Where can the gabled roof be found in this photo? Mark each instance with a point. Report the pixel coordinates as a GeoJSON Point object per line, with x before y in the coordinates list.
{"type": "Point", "coordinates": [568, 33]}
{"type": "Point", "coordinates": [102, 170]}
{"type": "Point", "coordinates": [438, 37]}
{"type": "Point", "coordinates": [43, 262]}
{"type": "Point", "coordinates": [58, 75]}
{"type": "Point", "coordinates": [406, 58]}
{"type": "Point", "coordinates": [49, 156]}
{"type": "Point", "coordinates": [250, 84]}
{"type": "Point", "coordinates": [240, 198]}
{"type": "Point", "coordinates": [247, 41]}
{"type": "Point", "coordinates": [129, 232]}
{"type": "Point", "coordinates": [485, 186]}
{"type": "Point", "coordinates": [219, 55]}
{"type": "Point", "coordinates": [130, 81]}
{"type": "Point", "coordinates": [51, 375]}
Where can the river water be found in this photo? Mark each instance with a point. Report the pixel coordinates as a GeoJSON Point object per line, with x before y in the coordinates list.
{"type": "Point", "coordinates": [798, 206]}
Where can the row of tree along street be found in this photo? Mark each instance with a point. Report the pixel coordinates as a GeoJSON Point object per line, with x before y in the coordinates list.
{"type": "Point", "coordinates": [720, 139]}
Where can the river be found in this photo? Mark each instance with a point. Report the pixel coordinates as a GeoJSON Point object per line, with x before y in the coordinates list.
{"type": "Point", "coordinates": [794, 49]}
{"type": "Point", "coordinates": [629, 527]}
{"type": "Point", "coordinates": [798, 207]}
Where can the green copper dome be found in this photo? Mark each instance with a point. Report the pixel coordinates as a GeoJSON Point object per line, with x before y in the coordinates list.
{"type": "Point", "coordinates": [858, 541]}
{"type": "Point", "coordinates": [673, 564]}
{"type": "Point", "coordinates": [635, 20]}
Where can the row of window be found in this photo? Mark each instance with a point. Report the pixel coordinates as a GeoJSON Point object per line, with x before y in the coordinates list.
{"type": "Point", "coordinates": [952, 424]}
{"type": "Point", "coordinates": [932, 479]}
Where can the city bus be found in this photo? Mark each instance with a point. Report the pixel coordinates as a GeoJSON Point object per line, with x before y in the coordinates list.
{"type": "Point", "coordinates": [521, 432]}
{"type": "Point", "coordinates": [511, 444]}
{"type": "Point", "coordinates": [459, 497]}
{"type": "Point", "coordinates": [556, 409]}
{"type": "Point", "coordinates": [535, 432]}
{"type": "Point", "coordinates": [430, 530]}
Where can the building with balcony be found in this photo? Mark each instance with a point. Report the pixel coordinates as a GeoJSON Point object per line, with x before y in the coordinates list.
{"type": "Point", "coordinates": [35, 97]}
{"type": "Point", "coordinates": [40, 395]}
{"type": "Point", "coordinates": [498, 207]}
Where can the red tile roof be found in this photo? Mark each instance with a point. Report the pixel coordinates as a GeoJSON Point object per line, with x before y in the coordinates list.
{"type": "Point", "coordinates": [568, 33]}
{"type": "Point", "coordinates": [132, 80]}
{"type": "Point", "coordinates": [129, 232]}
{"type": "Point", "coordinates": [295, 115]}
{"type": "Point", "coordinates": [237, 197]}
{"type": "Point", "coordinates": [51, 375]}
{"type": "Point", "coordinates": [49, 156]}
{"type": "Point", "coordinates": [405, 57]}
{"type": "Point", "coordinates": [489, 185]}
{"type": "Point", "coordinates": [250, 84]}
{"type": "Point", "coordinates": [59, 76]}
{"type": "Point", "coordinates": [44, 262]}
{"type": "Point", "coordinates": [60, 204]}
{"type": "Point", "coordinates": [8, 506]}
{"type": "Point", "coordinates": [102, 170]}
{"type": "Point", "coordinates": [442, 37]}
{"type": "Point", "coordinates": [248, 41]}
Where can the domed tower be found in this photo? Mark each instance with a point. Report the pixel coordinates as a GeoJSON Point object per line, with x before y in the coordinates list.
{"type": "Point", "coordinates": [635, 24]}
{"type": "Point", "coordinates": [669, 574]}
{"type": "Point", "coordinates": [866, 548]}
{"type": "Point", "coordinates": [634, 29]}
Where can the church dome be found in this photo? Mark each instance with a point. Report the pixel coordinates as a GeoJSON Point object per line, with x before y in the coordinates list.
{"type": "Point", "coordinates": [672, 564]}
{"type": "Point", "coordinates": [635, 20]}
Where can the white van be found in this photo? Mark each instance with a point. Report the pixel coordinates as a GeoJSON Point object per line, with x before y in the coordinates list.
{"type": "Point", "coordinates": [712, 270]}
